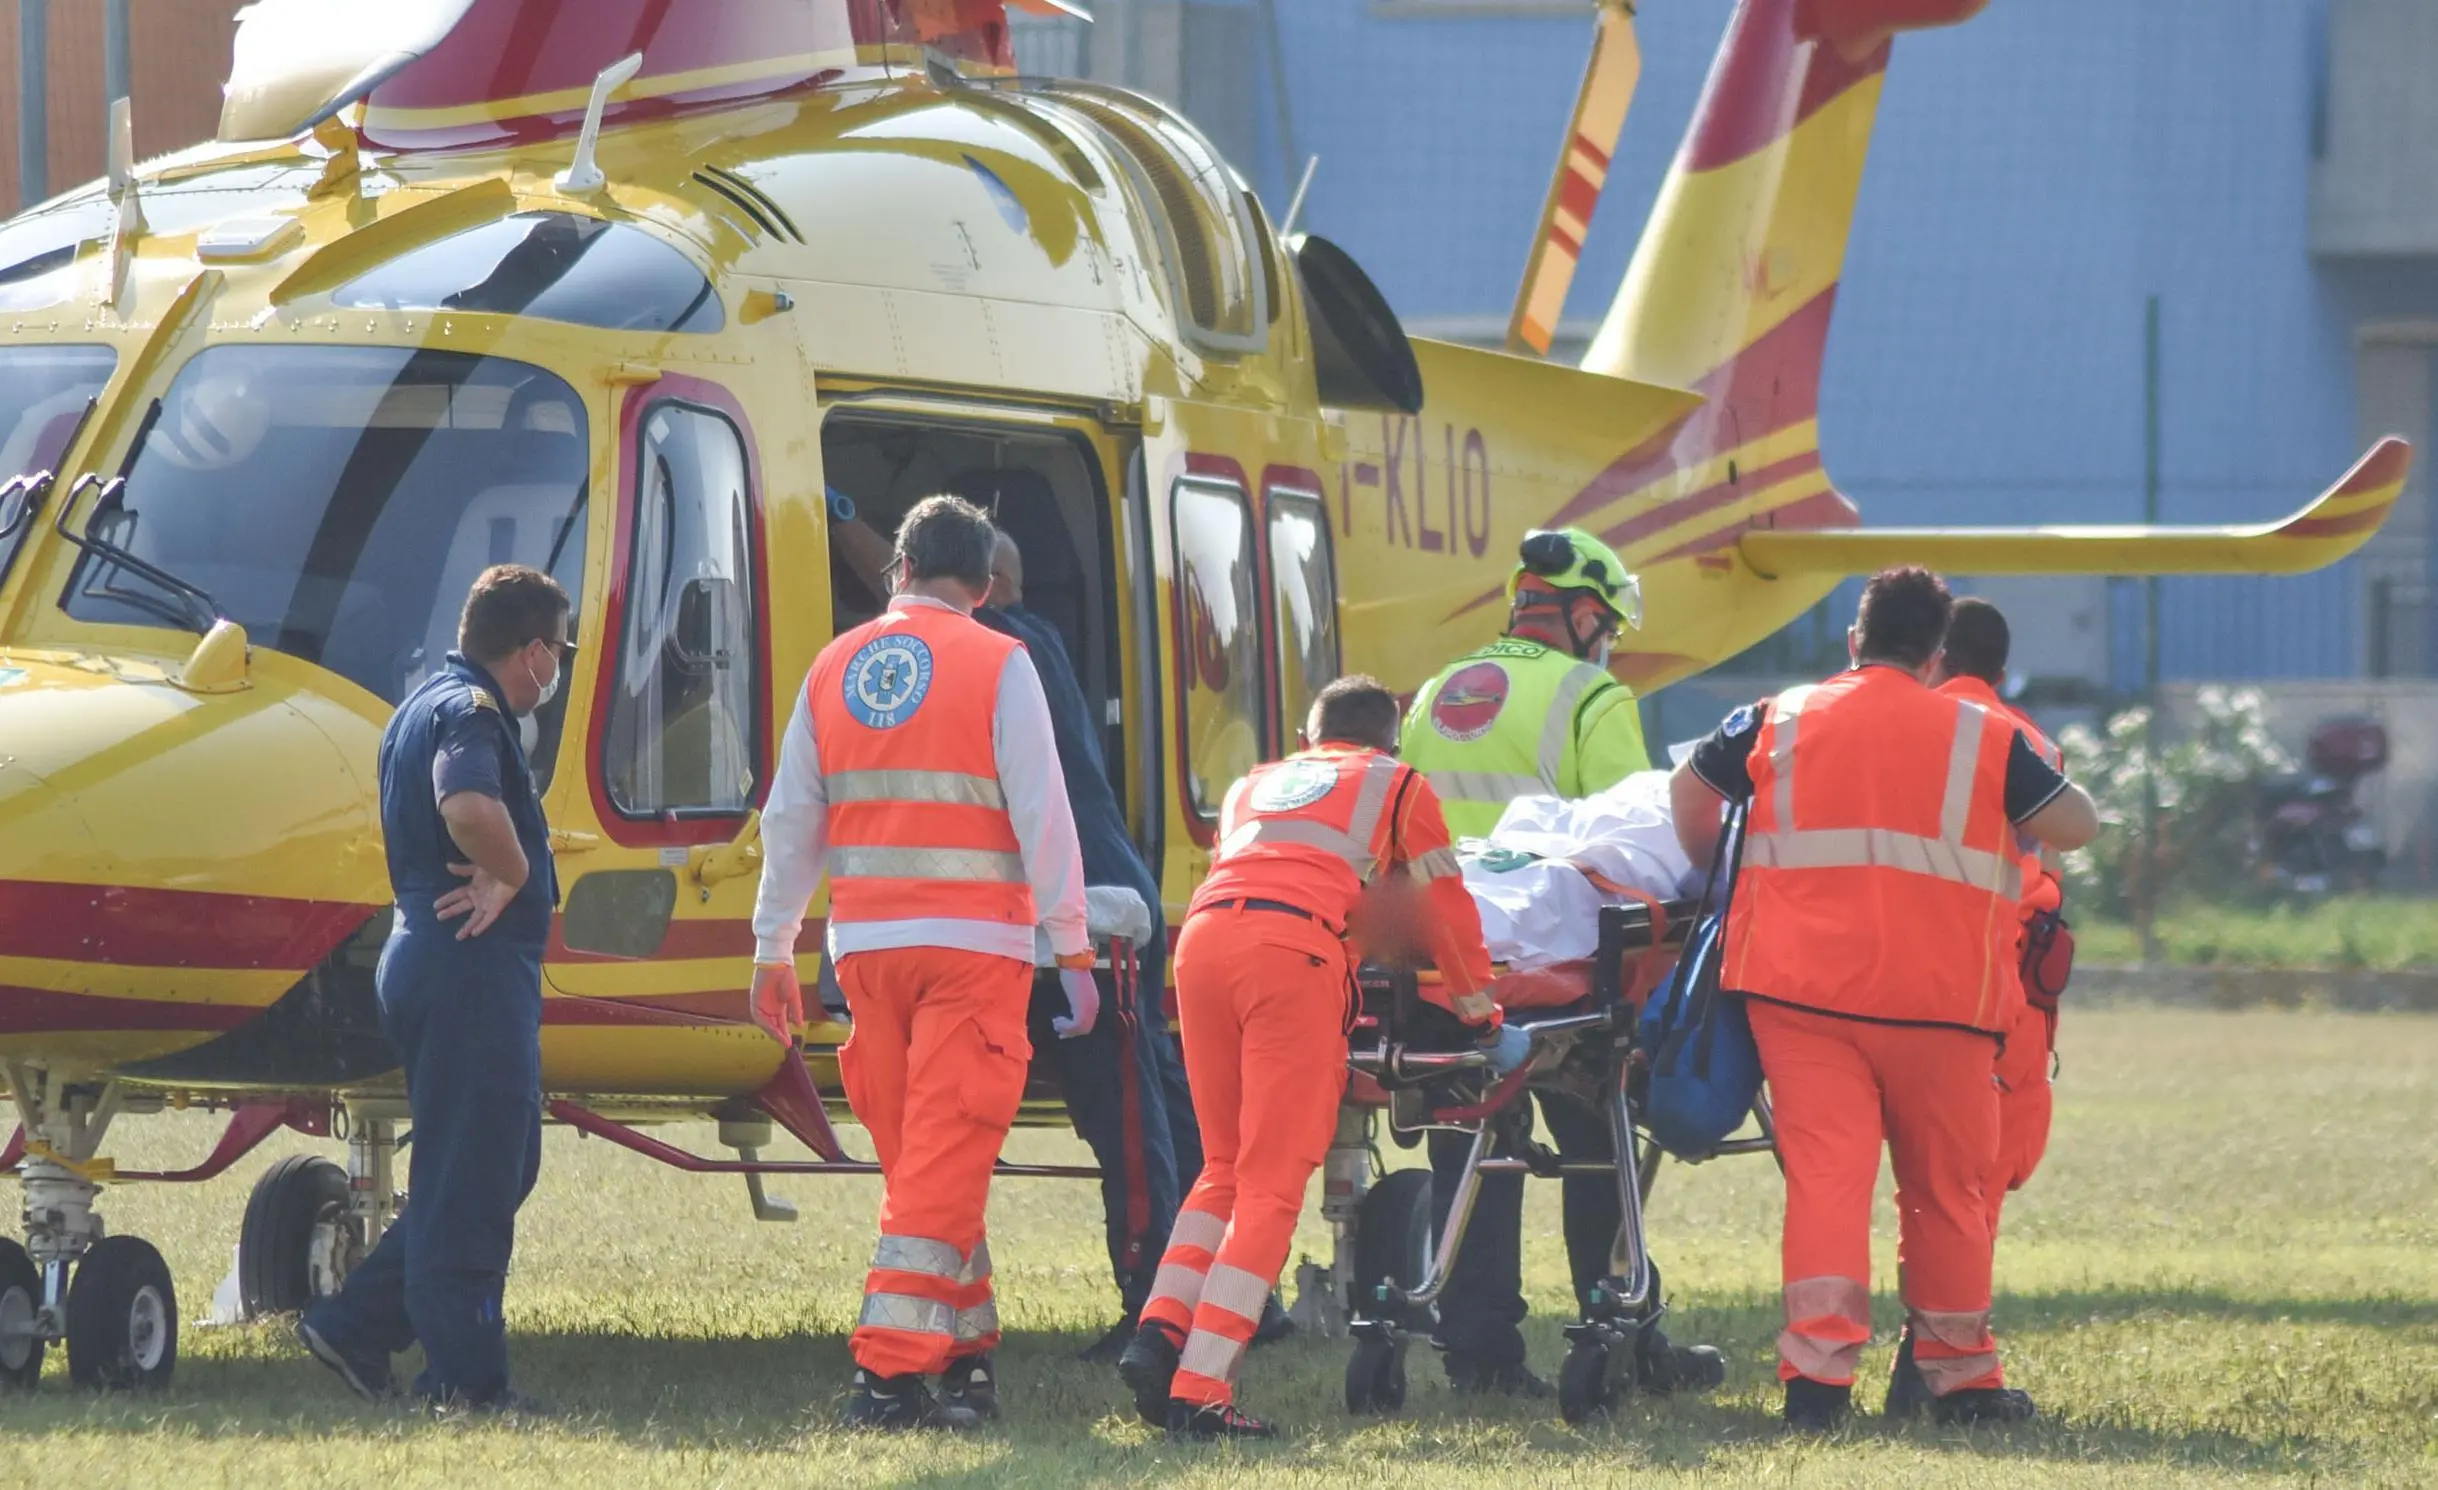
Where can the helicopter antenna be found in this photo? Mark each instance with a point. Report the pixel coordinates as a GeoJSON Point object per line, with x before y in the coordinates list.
{"type": "Point", "coordinates": [1295, 208]}
{"type": "Point", "coordinates": [583, 174]}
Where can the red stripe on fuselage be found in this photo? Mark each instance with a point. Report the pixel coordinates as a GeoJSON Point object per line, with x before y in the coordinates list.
{"type": "Point", "coordinates": [1770, 77]}
{"type": "Point", "coordinates": [43, 1011]}
{"type": "Point", "coordinates": [129, 926]}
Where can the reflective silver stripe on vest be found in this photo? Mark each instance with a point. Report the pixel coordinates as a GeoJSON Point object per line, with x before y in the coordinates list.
{"type": "Point", "coordinates": [948, 788]}
{"type": "Point", "coordinates": [978, 1322]}
{"type": "Point", "coordinates": [916, 1254]}
{"type": "Point", "coordinates": [1438, 864]}
{"type": "Point", "coordinates": [1963, 755]}
{"type": "Point", "coordinates": [1785, 720]}
{"type": "Point", "coordinates": [1884, 848]}
{"type": "Point", "coordinates": [977, 1266]}
{"type": "Point", "coordinates": [1211, 1355]}
{"type": "Point", "coordinates": [1558, 730]}
{"type": "Point", "coordinates": [1491, 788]}
{"type": "Point", "coordinates": [865, 861]}
{"type": "Point", "coordinates": [1473, 1007]}
{"type": "Point", "coordinates": [1352, 844]}
{"type": "Point", "coordinates": [905, 1312]}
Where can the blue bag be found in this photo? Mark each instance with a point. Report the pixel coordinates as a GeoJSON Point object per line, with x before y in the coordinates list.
{"type": "Point", "coordinates": [1705, 1071]}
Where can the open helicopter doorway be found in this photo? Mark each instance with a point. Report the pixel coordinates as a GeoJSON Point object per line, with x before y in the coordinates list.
{"type": "Point", "coordinates": [1044, 488]}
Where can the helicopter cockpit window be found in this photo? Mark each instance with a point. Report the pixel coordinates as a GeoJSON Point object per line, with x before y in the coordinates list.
{"type": "Point", "coordinates": [38, 253]}
{"type": "Point", "coordinates": [682, 735]}
{"type": "Point", "coordinates": [1218, 639]}
{"type": "Point", "coordinates": [555, 266]}
{"type": "Point", "coordinates": [338, 503]}
{"type": "Point", "coordinates": [44, 394]}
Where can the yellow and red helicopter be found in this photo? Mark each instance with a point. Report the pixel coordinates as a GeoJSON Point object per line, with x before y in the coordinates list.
{"type": "Point", "coordinates": [685, 304]}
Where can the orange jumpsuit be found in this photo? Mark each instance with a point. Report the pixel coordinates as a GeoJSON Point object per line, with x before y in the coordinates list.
{"type": "Point", "coordinates": [920, 772]}
{"type": "Point", "coordinates": [2024, 1100]}
{"type": "Point", "coordinates": [1264, 979]}
{"type": "Point", "coordinates": [1878, 871]}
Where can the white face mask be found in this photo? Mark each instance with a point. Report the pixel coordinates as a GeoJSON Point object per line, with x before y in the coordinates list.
{"type": "Point", "coordinates": [544, 692]}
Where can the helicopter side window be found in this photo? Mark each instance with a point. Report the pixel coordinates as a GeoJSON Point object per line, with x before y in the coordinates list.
{"type": "Point", "coordinates": [554, 266]}
{"type": "Point", "coordinates": [44, 395]}
{"type": "Point", "coordinates": [683, 736]}
{"type": "Point", "coordinates": [1218, 639]}
{"type": "Point", "coordinates": [1303, 590]}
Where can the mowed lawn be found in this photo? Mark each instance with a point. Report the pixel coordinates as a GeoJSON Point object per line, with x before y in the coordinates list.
{"type": "Point", "coordinates": [2227, 1273]}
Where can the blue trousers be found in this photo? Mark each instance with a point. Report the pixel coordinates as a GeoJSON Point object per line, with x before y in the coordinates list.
{"type": "Point", "coordinates": [1125, 1091]}
{"type": "Point", "coordinates": [1482, 1310]}
{"type": "Point", "coordinates": [466, 1021]}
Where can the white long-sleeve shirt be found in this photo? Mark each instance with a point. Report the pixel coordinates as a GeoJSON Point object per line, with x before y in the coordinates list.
{"type": "Point", "coordinates": [795, 837]}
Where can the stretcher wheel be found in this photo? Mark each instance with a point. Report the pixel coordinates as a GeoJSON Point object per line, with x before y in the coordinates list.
{"type": "Point", "coordinates": [291, 1203]}
{"type": "Point", "coordinates": [1375, 1376]}
{"type": "Point", "coordinates": [21, 1344]}
{"type": "Point", "coordinates": [1589, 1381]}
{"type": "Point", "coordinates": [1392, 1236]}
{"type": "Point", "coordinates": [122, 1317]}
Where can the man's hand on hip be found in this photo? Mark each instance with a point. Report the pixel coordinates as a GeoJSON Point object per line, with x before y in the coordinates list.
{"type": "Point", "coordinates": [778, 999]}
{"type": "Point", "coordinates": [479, 900]}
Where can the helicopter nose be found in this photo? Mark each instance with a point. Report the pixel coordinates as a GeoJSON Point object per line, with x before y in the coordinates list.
{"type": "Point", "coordinates": [171, 863]}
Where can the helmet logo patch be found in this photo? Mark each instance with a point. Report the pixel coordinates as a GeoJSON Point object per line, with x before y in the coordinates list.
{"type": "Point", "coordinates": [1468, 704]}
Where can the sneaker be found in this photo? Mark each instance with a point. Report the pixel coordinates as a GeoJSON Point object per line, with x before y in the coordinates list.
{"type": "Point", "coordinates": [1815, 1406]}
{"type": "Point", "coordinates": [972, 1383]}
{"type": "Point", "coordinates": [1977, 1405]}
{"type": "Point", "coordinates": [900, 1403]}
{"type": "Point", "coordinates": [1908, 1391]}
{"type": "Point", "coordinates": [1275, 1324]}
{"type": "Point", "coordinates": [368, 1376]}
{"type": "Point", "coordinates": [1471, 1378]}
{"type": "Point", "coordinates": [1148, 1365]}
{"type": "Point", "coordinates": [1106, 1350]}
{"type": "Point", "coordinates": [1661, 1368]}
{"type": "Point", "coordinates": [1214, 1421]}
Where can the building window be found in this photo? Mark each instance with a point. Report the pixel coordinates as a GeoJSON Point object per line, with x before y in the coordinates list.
{"type": "Point", "coordinates": [1218, 639]}
{"type": "Point", "coordinates": [681, 737]}
{"type": "Point", "coordinates": [1303, 592]}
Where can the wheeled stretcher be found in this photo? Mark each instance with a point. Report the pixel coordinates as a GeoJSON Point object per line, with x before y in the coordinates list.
{"type": "Point", "coordinates": [1414, 1066]}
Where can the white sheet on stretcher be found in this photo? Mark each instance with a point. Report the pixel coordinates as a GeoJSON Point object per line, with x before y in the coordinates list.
{"type": "Point", "coordinates": [1540, 910]}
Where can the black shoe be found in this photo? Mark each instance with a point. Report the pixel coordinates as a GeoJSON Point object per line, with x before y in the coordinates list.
{"type": "Point", "coordinates": [972, 1382]}
{"type": "Point", "coordinates": [508, 1404]}
{"type": "Point", "coordinates": [1275, 1325]}
{"type": "Point", "coordinates": [899, 1404]}
{"type": "Point", "coordinates": [1815, 1406]}
{"type": "Point", "coordinates": [1208, 1424]}
{"type": "Point", "coordinates": [1106, 1350]}
{"type": "Point", "coordinates": [1147, 1365]}
{"type": "Point", "coordinates": [1661, 1368]}
{"type": "Point", "coordinates": [368, 1376]}
{"type": "Point", "coordinates": [1978, 1405]}
{"type": "Point", "coordinates": [1473, 1378]}
{"type": "Point", "coordinates": [1908, 1391]}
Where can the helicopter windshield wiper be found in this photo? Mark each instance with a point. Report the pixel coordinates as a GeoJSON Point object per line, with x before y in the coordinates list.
{"type": "Point", "coordinates": [198, 612]}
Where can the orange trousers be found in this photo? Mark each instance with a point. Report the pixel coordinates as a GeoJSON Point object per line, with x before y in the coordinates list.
{"type": "Point", "coordinates": [1261, 1004]}
{"type": "Point", "coordinates": [934, 1070]}
{"type": "Point", "coordinates": [1838, 1090]}
{"type": "Point", "coordinates": [2024, 1104]}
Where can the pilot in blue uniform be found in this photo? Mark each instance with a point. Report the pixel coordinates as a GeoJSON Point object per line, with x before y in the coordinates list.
{"type": "Point", "coordinates": [460, 988]}
{"type": "Point", "coordinates": [1139, 1122]}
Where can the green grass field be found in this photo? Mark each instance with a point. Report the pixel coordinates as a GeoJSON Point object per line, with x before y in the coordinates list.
{"type": "Point", "coordinates": [2354, 931]}
{"type": "Point", "coordinates": [2227, 1273]}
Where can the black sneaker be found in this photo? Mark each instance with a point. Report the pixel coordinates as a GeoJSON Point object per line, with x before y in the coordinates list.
{"type": "Point", "coordinates": [1106, 1350]}
{"type": "Point", "coordinates": [1978, 1405]}
{"type": "Point", "coordinates": [1472, 1378]}
{"type": "Point", "coordinates": [368, 1376]}
{"type": "Point", "coordinates": [1147, 1365]}
{"type": "Point", "coordinates": [1908, 1391]}
{"type": "Point", "coordinates": [1815, 1406]}
{"type": "Point", "coordinates": [972, 1382]}
{"type": "Point", "coordinates": [1214, 1422]}
{"type": "Point", "coordinates": [901, 1403]}
{"type": "Point", "coordinates": [1661, 1368]}
{"type": "Point", "coordinates": [1275, 1324]}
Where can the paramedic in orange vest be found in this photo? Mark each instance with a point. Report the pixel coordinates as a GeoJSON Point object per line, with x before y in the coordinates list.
{"type": "Point", "coordinates": [1264, 981]}
{"type": "Point", "coordinates": [919, 771]}
{"type": "Point", "coordinates": [1880, 873]}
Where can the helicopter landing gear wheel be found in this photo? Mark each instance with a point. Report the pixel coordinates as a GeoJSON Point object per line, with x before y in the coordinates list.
{"type": "Point", "coordinates": [295, 1245]}
{"type": "Point", "coordinates": [122, 1317]}
{"type": "Point", "coordinates": [21, 1342]}
{"type": "Point", "coordinates": [1375, 1374]}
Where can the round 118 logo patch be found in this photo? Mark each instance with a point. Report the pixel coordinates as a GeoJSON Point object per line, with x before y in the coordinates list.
{"type": "Point", "coordinates": [1292, 784]}
{"type": "Point", "coordinates": [1468, 703]}
{"type": "Point", "coordinates": [887, 680]}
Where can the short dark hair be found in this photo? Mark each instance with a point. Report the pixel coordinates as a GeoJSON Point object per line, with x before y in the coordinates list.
{"type": "Point", "coordinates": [1904, 616]}
{"type": "Point", "coordinates": [1356, 710]}
{"type": "Point", "coordinates": [1977, 640]}
{"type": "Point", "coordinates": [511, 606]}
{"type": "Point", "coordinates": [947, 537]}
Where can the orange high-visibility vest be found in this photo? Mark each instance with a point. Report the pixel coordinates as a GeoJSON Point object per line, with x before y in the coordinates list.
{"type": "Point", "coordinates": [904, 711]}
{"type": "Point", "coordinates": [2041, 892]}
{"type": "Point", "coordinates": [1310, 830]}
{"type": "Point", "coordinates": [1878, 862]}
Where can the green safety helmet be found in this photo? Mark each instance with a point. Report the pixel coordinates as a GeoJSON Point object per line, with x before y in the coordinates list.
{"type": "Point", "coordinates": [1571, 559]}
